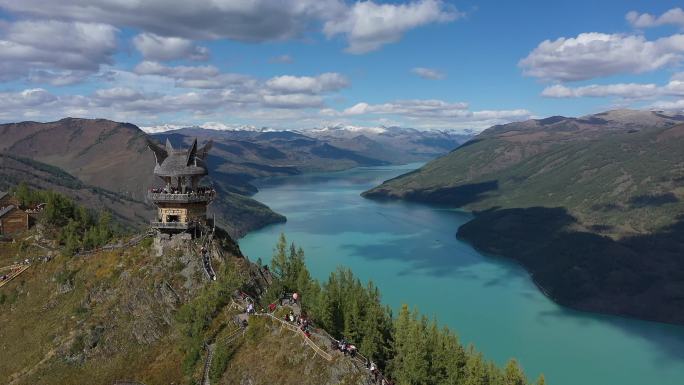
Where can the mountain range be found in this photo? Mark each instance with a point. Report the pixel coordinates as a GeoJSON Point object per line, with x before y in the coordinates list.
{"type": "Point", "coordinates": [111, 159]}
{"type": "Point", "coordinates": [592, 206]}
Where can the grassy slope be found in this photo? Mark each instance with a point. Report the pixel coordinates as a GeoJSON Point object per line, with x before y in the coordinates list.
{"type": "Point", "coordinates": [272, 355]}
{"type": "Point", "coordinates": [61, 331]}
{"type": "Point", "coordinates": [108, 316]}
{"type": "Point", "coordinates": [605, 181]}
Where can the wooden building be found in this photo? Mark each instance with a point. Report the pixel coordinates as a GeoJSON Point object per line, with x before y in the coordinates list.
{"type": "Point", "coordinates": [181, 202]}
{"type": "Point", "coordinates": [13, 220]}
{"type": "Point", "coordinates": [7, 199]}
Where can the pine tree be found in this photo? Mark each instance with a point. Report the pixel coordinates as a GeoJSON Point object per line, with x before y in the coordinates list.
{"type": "Point", "coordinates": [279, 260]}
{"type": "Point", "coordinates": [476, 372]}
{"type": "Point", "coordinates": [401, 340]}
{"type": "Point", "coordinates": [455, 360]}
{"type": "Point", "coordinates": [541, 380]}
{"type": "Point", "coordinates": [513, 374]}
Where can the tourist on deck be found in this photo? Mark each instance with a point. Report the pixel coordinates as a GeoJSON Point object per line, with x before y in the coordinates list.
{"type": "Point", "coordinates": [250, 308]}
{"type": "Point", "coordinates": [271, 307]}
{"type": "Point", "coordinates": [374, 371]}
{"type": "Point", "coordinates": [352, 350]}
{"type": "Point", "coordinates": [342, 345]}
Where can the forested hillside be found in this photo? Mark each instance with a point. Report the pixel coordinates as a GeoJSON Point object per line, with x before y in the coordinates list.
{"type": "Point", "coordinates": [592, 206]}
{"type": "Point", "coordinates": [136, 315]}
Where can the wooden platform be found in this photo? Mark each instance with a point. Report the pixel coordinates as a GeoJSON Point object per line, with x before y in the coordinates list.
{"type": "Point", "coordinates": [12, 271]}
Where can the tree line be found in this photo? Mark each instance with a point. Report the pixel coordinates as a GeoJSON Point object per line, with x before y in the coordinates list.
{"type": "Point", "coordinates": [410, 349]}
{"type": "Point", "coordinates": [77, 227]}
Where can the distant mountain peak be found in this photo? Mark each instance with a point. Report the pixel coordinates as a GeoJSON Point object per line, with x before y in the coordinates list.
{"type": "Point", "coordinates": [350, 128]}
{"type": "Point", "coordinates": [216, 126]}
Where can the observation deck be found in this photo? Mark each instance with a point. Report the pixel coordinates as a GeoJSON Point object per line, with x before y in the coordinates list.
{"type": "Point", "coordinates": [192, 197]}
{"type": "Point", "coordinates": [172, 225]}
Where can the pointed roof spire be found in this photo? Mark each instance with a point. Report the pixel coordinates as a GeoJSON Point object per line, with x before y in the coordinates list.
{"type": "Point", "coordinates": [192, 153]}
{"type": "Point", "coordinates": [160, 153]}
{"type": "Point", "coordinates": [169, 147]}
{"type": "Point", "coordinates": [202, 152]}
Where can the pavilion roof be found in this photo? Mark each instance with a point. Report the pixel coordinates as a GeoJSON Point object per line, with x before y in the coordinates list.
{"type": "Point", "coordinates": [180, 162]}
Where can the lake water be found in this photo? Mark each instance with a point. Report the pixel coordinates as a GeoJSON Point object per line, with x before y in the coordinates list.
{"type": "Point", "coordinates": [411, 253]}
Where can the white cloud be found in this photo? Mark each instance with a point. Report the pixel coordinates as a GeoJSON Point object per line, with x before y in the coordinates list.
{"type": "Point", "coordinates": [28, 97]}
{"type": "Point", "coordinates": [674, 16]}
{"type": "Point", "coordinates": [131, 104]}
{"type": "Point", "coordinates": [61, 77]}
{"type": "Point", "coordinates": [428, 73]}
{"type": "Point", "coordinates": [30, 103]}
{"type": "Point", "coordinates": [64, 52]}
{"type": "Point", "coordinates": [252, 21]}
{"type": "Point", "coordinates": [327, 82]}
{"type": "Point", "coordinates": [675, 88]}
{"type": "Point", "coordinates": [411, 108]}
{"type": "Point", "coordinates": [204, 77]}
{"type": "Point", "coordinates": [285, 91]}
{"type": "Point", "coordinates": [118, 94]}
{"type": "Point", "coordinates": [627, 91]}
{"type": "Point", "coordinates": [368, 25]}
{"type": "Point", "coordinates": [671, 105]}
{"type": "Point", "coordinates": [293, 101]}
{"type": "Point", "coordinates": [159, 48]}
{"type": "Point", "coordinates": [622, 90]}
{"type": "Point", "coordinates": [428, 114]}
{"type": "Point", "coordinates": [180, 72]}
{"type": "Point", "coordinates": [592, 55]}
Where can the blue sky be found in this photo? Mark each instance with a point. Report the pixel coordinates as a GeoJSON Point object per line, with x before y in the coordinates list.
{"type": "Point", "coordinates": [427, 64]}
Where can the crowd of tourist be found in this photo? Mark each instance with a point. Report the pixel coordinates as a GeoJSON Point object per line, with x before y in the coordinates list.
{"type": "Point", "coordinates": [305, 325]}
{"type": "Point", "coordinates": [200, 191]}
{"type": "Point", "coordinates": [345, 347]}
{"type": "Point", "coordinates": [27, 261]}
{"type": "Point", "coordinates": [206, 260]}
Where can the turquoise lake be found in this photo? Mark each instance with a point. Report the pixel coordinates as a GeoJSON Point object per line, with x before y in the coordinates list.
{"type": "Point", "coordinates": [410, 251]}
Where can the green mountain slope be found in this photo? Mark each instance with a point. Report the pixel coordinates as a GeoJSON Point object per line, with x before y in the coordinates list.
{"type": "Point", "coordinates": [37, 175]}
{"type": "Point", "coordinates": [611, 182]}
{"type": "Point", "coordinates": [147, 313]}
{"type": "Point", "coordinates": [112, 156]}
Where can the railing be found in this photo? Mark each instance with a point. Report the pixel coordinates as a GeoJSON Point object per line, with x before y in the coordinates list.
{"type": "Point", "coordinates": [325, 355]}
{"type": "Point", "coordinates": [207, 365]}
{"type": "Point", "coordinates": [184, 198]}
{"type": "Point", "coordinates": [111, 246]}
{"type": "Point", "coordinates": [14, 271]}
{"type": "Point", "coordinates": [171, 225]}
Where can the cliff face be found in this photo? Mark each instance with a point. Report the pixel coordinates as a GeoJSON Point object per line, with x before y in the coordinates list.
{"type": "Point", "coordinates": [592, 206]}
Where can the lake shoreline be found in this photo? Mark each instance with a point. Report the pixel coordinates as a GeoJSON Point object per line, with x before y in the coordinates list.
{"type": "Point", "coordinates": [408, 248]}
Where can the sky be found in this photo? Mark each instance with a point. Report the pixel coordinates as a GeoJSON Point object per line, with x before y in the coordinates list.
{"type": "Point", "coordinates": [287, 64]}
